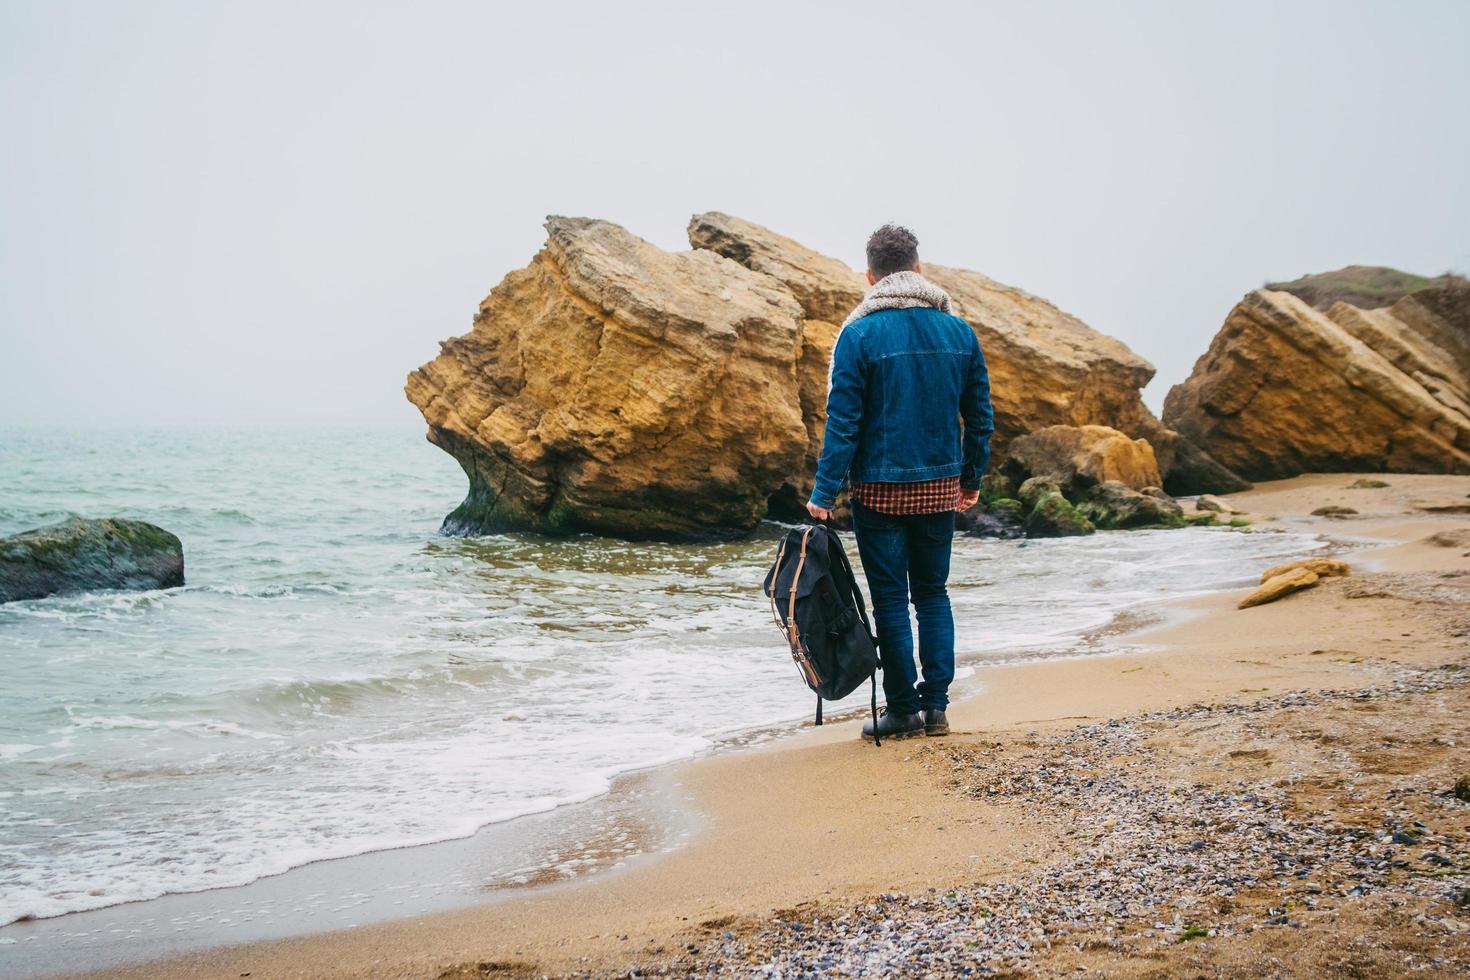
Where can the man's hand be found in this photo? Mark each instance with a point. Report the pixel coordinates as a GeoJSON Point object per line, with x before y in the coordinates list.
{"type": "Point", "coordinates": [820, 513]}
{"type": "Point", "coordinates": [968, 499]}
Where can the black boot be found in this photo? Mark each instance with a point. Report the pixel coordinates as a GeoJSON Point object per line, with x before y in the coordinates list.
{"type": "Point", "coordinates": [934, 722]}
{"type": "Point", "coordinates": [895, 726]}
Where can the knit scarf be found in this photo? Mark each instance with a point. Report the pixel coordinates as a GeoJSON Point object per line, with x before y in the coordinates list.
{"type": "Point", "coordinates": [900, 291]}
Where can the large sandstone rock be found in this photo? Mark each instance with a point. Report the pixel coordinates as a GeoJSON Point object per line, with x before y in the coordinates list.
{"type": "Point", "coordinates": [827, 291]}
{"type": "Point", "coordinates": [614, 387]}
{"type": "Point", "coordinates": [1046, 366]}
{"type": "Point", "coordinates": [1286, 389]}
{"type": "Point", "coordinates": [1077, 457]}
{"type": "Point", "coordinates": [80, 555]}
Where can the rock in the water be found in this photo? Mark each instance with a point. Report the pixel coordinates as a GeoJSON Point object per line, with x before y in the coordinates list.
{"type": "Point", "coordinates": [1108, 480]}
{"type": "Point", "coordinates": [1001, 518]}
{"type": "Point", "coordinates": [1046, 366]}
{"type": "Point", "coordinates": [614, 387]}
{"type": "Point", "coordinates": [1334, 511]}
{"type": "Point", "coordinates": [1323, 567]}
{"type": "Point", "coordinates": [1286, 389]}
{"type": "Point", "coordinates": [1114, 506]}
{"type": "Point", "coordinates": [1275, 588]}
{"type": "Point", "coordinates": [1048, 513]}
{"type": "Point", "coordinates": [81, 555]}
{"type": "Point", "coordinates": [1078, 457]}
{"type": "Point", "coordinates": [1366, 484]}
{"type": "Point", "coordinates": [1213, 504]}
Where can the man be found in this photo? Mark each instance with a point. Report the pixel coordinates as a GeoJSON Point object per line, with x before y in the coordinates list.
{"type": "Point", "coordinates": [904, 373]}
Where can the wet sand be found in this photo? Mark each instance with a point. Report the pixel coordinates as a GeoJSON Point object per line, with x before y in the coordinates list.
{"type": "Point", "coordinates": [814, 828]}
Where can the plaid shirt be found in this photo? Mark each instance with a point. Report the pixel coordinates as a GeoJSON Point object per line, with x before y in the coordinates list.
{"type": "Point", "coordinates": [924, 497]}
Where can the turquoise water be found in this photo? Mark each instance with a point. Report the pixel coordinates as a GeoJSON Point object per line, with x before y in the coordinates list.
{"type": "Point", "coordinates": [336, 677]}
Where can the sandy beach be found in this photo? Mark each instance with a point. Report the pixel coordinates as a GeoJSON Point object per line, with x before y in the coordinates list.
{"type": "Point", "coordinates": [1266, 791]}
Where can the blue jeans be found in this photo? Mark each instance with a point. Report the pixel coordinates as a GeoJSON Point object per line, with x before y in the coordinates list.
{"type": "Point", "coordinates": [907, 556]}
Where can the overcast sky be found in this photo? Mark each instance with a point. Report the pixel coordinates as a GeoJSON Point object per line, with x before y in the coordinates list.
{"type": "Point", "coordinates": [258, 211]}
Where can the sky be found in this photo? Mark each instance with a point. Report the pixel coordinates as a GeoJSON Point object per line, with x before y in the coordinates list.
{"type": "Point", "coordinates": [270, 212]}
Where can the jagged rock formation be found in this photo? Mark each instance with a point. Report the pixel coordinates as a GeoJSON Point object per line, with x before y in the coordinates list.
{"type": "Point", "coordinates": [827, 291]}
{"type": "Point", "coordinates": [614, 387]}
{"type": "Point", "coordinates": [80, 555]}
{"type": "Point", "coordinates": [1285, 389]}
{"type": "Point", "coordinates": [1103, 479]}
{"type": "Point", "coordinates": [1046, 366]}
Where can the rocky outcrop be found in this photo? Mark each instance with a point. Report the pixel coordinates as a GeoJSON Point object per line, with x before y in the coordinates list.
{"type": "Point", "coordinates": [1107, 480]}
{"type": "Point", "coordinates": [80, 555]}
{"type": "Point", "coordinates": [1046, 366]}
{"type": "Point", "coordinates": [1186, 468]}
{"type": "Point", "coordinates": [1078, 457]}
{"type": "Point", "coordinates": [1049, 514]}
{"type": "Point", "coordinates": [1286, 389]}
{"type": "Point", "coordinates": [826, 290]}
{"type": "Point", "coordinates": [1113, 506]}
{"type": "Point", "coordinates": [614, 387]}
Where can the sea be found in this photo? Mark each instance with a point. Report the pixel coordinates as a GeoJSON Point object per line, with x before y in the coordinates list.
{"type": "Point", "coordinates": [337, 677]}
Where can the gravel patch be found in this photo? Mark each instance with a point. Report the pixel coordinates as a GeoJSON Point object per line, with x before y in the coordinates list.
{"type": "Point", "coordinates": [1145, 861]}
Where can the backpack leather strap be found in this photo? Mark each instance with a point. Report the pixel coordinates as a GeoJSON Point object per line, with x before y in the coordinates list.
{"type": "Point", "coordinates": [794, 631]}
{"type": "Point", "coordinates": [776, 574]}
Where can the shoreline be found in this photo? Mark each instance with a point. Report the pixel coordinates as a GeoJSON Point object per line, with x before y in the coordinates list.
{"type": "Point", "coordinates": [254, 910]}
{"type": "Point", "coordinates": [727, 869]}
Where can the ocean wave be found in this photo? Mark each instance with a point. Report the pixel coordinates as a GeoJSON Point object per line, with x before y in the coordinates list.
{"type": "Point", "coordinates": [14, 750]}
{"type": "Point", "coordinates": [284, 590]}
{"type": "Point", "coordinates": [206, 726]}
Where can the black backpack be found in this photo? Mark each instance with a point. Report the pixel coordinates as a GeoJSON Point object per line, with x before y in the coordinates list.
{"type": "Point", "coordinates": [819, 608]}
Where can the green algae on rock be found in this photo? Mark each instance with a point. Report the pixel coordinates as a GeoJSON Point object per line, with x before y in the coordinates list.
{"type": "Point", "coordinates": [81, 555]}
{"type": "Point", "coordinates": [1050, 514]}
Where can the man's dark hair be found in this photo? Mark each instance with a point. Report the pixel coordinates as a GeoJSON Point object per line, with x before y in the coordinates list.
{"type": "Point", "coordinates": [892, 248]}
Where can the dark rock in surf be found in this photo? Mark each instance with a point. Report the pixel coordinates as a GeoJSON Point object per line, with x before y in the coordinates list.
{"type": "Point", "coordinates": [1049, 513]}
{"type": "Point", "coordinates": [1003, 518]}
{"type": "Point", "coordinates": [81, 555]}
{"type": "Point", "coordinates": [1111, 505]}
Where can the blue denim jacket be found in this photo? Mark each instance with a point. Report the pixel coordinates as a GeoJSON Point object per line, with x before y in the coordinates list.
{"type": "Point", "coordinates": [901, 382]}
